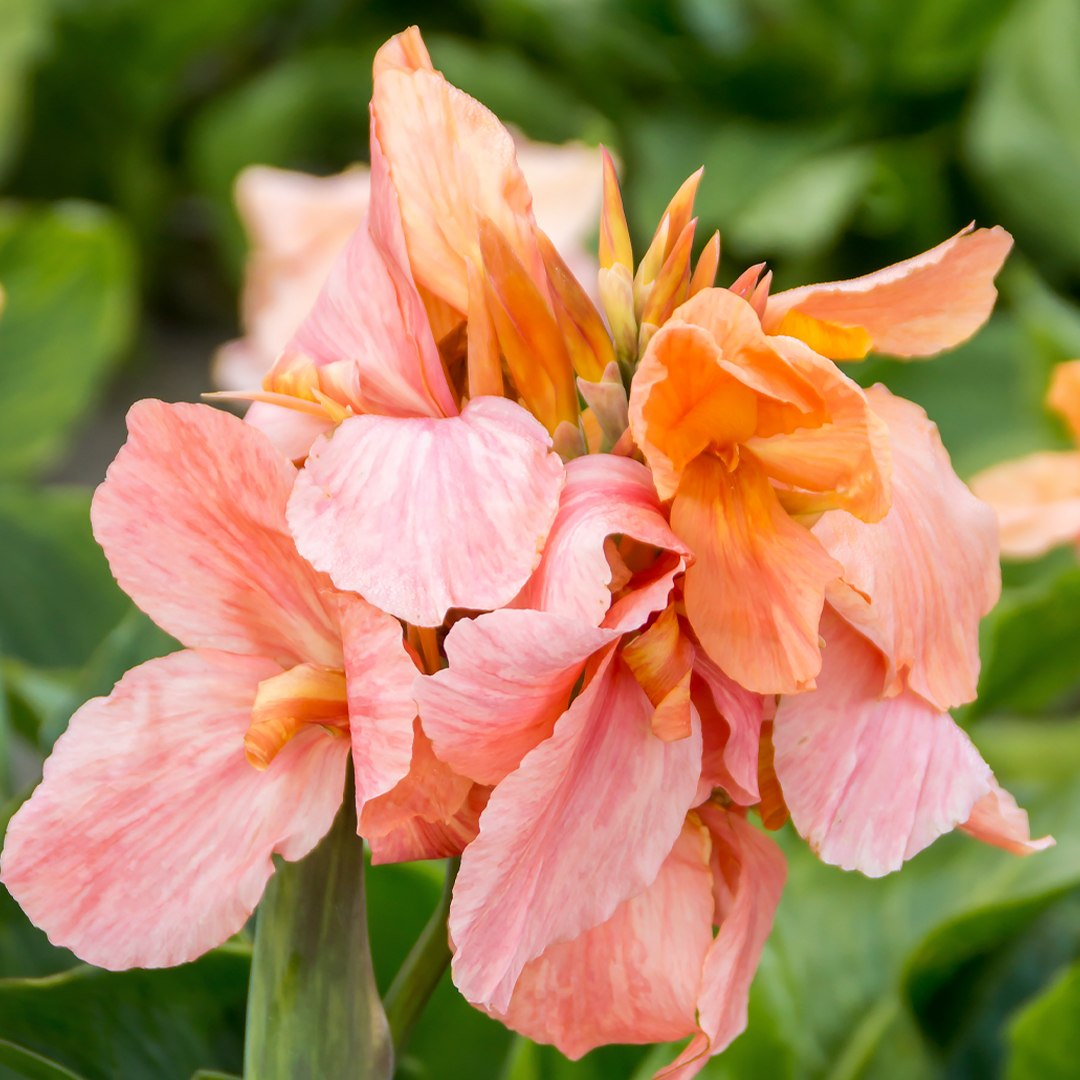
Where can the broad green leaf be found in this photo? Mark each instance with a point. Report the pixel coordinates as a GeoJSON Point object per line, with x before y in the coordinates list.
{"type": "Point", "coordinates": [1046, 1034]}
{"type": "Point", "coordinates": [1031, 646]}
{"type": "Point", "coordinates": [69, 276]}
{"type": "Point", "coordinates": [58, 599]}
{"type": "Point", "coordinates": [157, 1025]}
{"type": "Point", "coordinates": [803, 211]}
{"type": "Point", "coordinates": [25, 34]}
{"type": "Point", "coordinates": [30, 1065]}
{"type": "Point", "coordinates": [1024, 130]}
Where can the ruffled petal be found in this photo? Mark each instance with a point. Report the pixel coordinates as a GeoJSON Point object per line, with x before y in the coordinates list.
{"type": "Point", "coordinates": [711, 379]}
{"type": "Point", "coordinates": [192, 519]}
{"type": "Point", "coordinates": [871, 781]}
{"type": "Point", "coordinates": [417, 838]}
{"type": "Point", "coordinates": [509, 680]}
{"type": "Point", "coordinates": [749, 872]}
{"type": "Point", "coordinates": [150, 838]}
{"type": "Point", "coordinates": [914, 308]}
{"type": "Point", "coordinates": [755, 592]}
{"type": "Point", "coordinates": [730, 731]}
{"type": "Point", "coordinates": [297, 226]}
{"type": "Point", "coordinates": [930, 566]}
{"type": "Point", "coordinates": [604, 496]}
{"type": "Point", "coordinates": [997, 820]}
{"type": "Point", "coordinates": [379, 673]}
{"type": "Point", "coordinates": [1036, 499]}
{"type": "Point", "coordinates": [564, 814]}
{"type": "Point", "coordinates": [422, 515]}
{"type": "Point", "coordinates": [450, 160]}
{"type": "Point", "coordinates": [370, 317]}
{"type": "Point", "coordinates": [846, 460]}
{"type": "Point", "coordinates": [634, 978]}
{"type": "Point", "coordinates": [431, 790]}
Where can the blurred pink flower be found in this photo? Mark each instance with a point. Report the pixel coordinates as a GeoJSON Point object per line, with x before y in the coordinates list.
{"type": "Point", "coordinates": [1037, 498]}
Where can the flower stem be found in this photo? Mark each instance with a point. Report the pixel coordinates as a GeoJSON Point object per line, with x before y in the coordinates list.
{"type": "Point", "coordinates": [423, 968]}
{"type": "Point", "coordinates": [313, 1008]}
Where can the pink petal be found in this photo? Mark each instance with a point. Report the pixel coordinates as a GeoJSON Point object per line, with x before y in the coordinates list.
{"type": "Point", "coordinates": [649, 592]}
{"type": "Point", "coordinates": [430, 790]}
{"type": "Point", "coordinates": [871, 781]}
{"type": "Point", "coordinates": [748, 873]}
{"type": "Point", "coordinates": [755, 591]}
{"type": "Point", "coordinates": [192, 519]}
{"type": "Point", "coordinates": [604, 496]}
{"type": "Point", "coordinates": [422, 515]}
{"type": "Point", "coordinates": [930, 567]}
{"type": "Point", "coordinates": [634, 978]}
{"type": "Point", "coordinates": [914, 308]}
{"type": "Point", "coordinates": [379, 673]}
{"type": "Point", "coordinates": [297, 226]}
{"type": "Point", "coordinates": [450, 160]}
{"type": "Point", "coordinates": [291, 432]}
{"type": "Point", "coordinates": [997, 820]}
{"type": "Point", "coordinates": [150, 838]}
{"type": "Point", "coordinates": [417, 838]}
{"type": "Point", "coordinates": [509, 680]}
{"type": "Point", "coordinates": [730, 730]}
{"type": "Point", "coordinates": [1036, 499]}
{"type": "Point", "coordinates": [561, 844]}
{"type": "Point", "coordinates": [370, 315]}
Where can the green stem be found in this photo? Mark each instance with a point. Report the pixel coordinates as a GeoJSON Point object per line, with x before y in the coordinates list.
{"type": "Point", "coordinates": [313, 1008]}
{"type": "Point", "coordinates": [423, 968]}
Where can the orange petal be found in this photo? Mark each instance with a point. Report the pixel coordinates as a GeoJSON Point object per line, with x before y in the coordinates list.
{"type": "Point", "coordinates": [615, 249]}
{"type": "Point", "coordinates": [672, 720]}
{"type": "Point", "coordinates": [917, 307]}
{"type": "Point", "coordinates": [1036, 499]}
{"type": "Point", "coordinates": [450, 160]}
{"type": "Point", "coordinates": [707, 265]}
{"type": "Point", "coordinates": [755, 592]}
{"type": "Point", "coordinates": [672, 285]}
{"type": "Point", "coordinates": [528, 333]}
{"type": "Point", "coordinates": [846, 459]}
{"type": "Point", "coordinates": [1064, 393]}
{"type": "Point", "coordinates": [284, 704]}
{"type": "Point", "coordinates": [586, 336]}
{"type": "Point", "coordinates": [680, 210]}
{"type": "Point", "coordinates": [484, 364]}
{"type": "Point", "coordinates": [660, 657]}
{"type": "Point", "coordinates": [826, 338]}
{"type": "Point", "coordinates": [772, 808]}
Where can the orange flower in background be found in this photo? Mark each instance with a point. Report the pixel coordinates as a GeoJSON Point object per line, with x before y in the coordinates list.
{"type": "Point", "coordinates": [1037, 498]}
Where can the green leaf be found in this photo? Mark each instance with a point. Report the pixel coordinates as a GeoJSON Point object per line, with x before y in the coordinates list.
{"type": "Point", "coordinates": [58, 599]}
{"type": "Point", "coordinates": [32, 1066]}
{"type": "Point", "coordinates": [1024, 129]}
{"type": "Point", "coordinates": [25, 36]}
{"type": "Point", "coordinates": [69, 276]}
{"type": "Point", "coordinates": [139, 1025]}
{"type": "Point", "coordinates": [1046, 1034]}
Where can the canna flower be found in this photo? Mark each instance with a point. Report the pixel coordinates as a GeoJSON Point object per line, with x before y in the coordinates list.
{"type": "Point", "coordinates": [149, 840]}
{"type": "Point", "coordinates": [1037, 498]}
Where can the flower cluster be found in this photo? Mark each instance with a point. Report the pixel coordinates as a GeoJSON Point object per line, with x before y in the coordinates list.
{"type": "Point", "coordinates": [575, 591]}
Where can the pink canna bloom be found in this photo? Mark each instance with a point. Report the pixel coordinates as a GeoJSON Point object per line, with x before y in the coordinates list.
{"type": "Point", "coordinates": [1037, 498]}
{"type": "Point", "coordinates": [150, 837]}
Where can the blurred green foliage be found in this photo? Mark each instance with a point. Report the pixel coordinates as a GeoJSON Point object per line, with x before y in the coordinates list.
{"type": "Point", "coordinates": [838, 136]}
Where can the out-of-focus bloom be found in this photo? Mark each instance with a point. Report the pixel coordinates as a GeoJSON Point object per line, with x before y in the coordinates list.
{"type": "Point", "coordinates": [298, 225]}
{"type": "Point", "coordinates": [1037, 498]}
{"type": "Point", "coordinates": [150, 838]}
